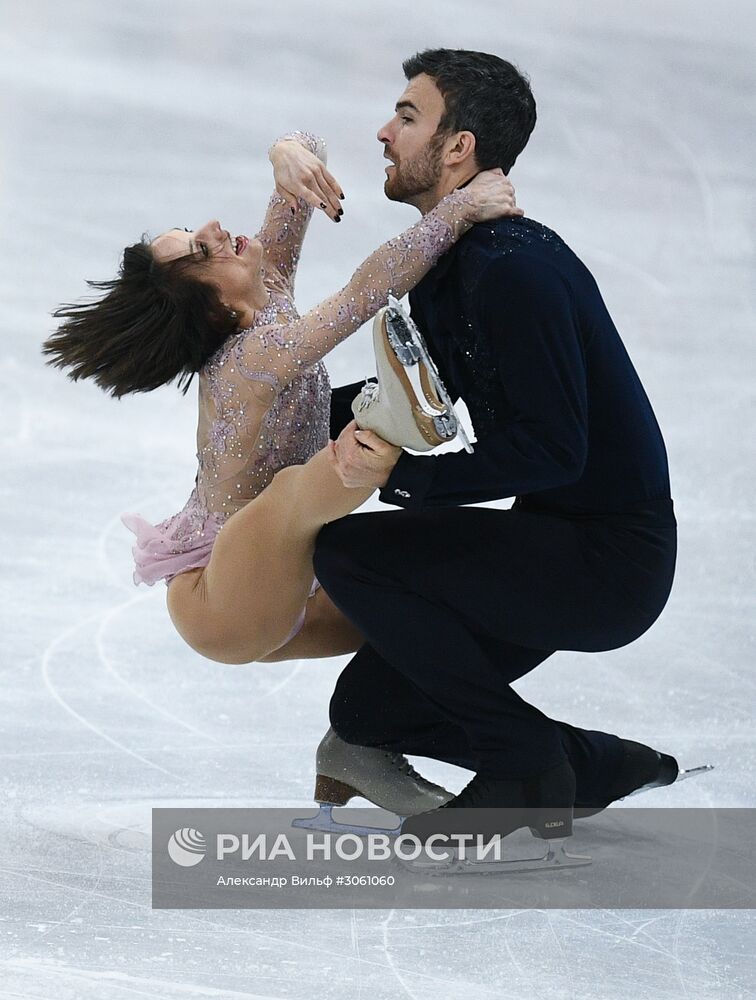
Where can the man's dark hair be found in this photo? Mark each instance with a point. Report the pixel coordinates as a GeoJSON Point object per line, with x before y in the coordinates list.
{"type": "Point", "coordinates": [156, 322]}
{"type": "Point", "coordinates": [483, 94]}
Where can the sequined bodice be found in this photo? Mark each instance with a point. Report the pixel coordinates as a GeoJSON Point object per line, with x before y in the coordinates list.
{"type": "Point", "coordinates": [247, 429]}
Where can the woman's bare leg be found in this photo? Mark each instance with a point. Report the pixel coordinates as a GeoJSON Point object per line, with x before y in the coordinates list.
{"type": "Point", "coordinates": [245, 602]}
{"type": "Point", "coordinates": [326, 632]}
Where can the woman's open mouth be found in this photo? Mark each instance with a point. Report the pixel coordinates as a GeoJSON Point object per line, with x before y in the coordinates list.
{"type": "Point", "coordinates": [241, 245]}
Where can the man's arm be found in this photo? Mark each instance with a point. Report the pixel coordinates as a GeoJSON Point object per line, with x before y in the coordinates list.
{"type": "Point", "coordinates": [542, 439]}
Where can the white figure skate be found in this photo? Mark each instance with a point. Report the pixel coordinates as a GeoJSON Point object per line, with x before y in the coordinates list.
{"type": "Point", "coordinates": [409, 406]}
{"type": "Point", "coordinates": [385, 778]}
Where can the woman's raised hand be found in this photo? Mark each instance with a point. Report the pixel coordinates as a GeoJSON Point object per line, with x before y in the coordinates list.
{"type": "Point", "coordinates": [298, 173]}
{"type": "Point", "coordinates": [492, 196]}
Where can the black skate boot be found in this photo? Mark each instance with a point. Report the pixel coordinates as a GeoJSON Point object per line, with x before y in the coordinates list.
{"type": "Point", "coordinates": [642, 769]}
{"type": "Point", "coordinates": [491, 806]}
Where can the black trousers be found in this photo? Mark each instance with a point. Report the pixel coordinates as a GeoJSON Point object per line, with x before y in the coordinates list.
{"type": "Point", "coordinates": [458, 602]}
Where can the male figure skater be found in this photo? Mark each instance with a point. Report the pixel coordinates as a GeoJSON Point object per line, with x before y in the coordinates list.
{"type": "Point", "coordinates": [456, 603]}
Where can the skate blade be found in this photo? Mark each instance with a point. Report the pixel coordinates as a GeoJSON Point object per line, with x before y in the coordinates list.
{"type": "Point", "coordinates": [408, 345]}
{"type": "Point", "coordinates": [324, 822]}
{"type": "Point", "coordinates": [692, 772]}
{"type": "Point", "coordinates": [417, 381]}
{"type": "Point", "coordinates": [430, 407]}
{"type": "Point", "coordinates": [555, 857]}
{"type": "Point", "coordinates": [404, 343]}
{"type": "Point", "coordinates": [682, 775]}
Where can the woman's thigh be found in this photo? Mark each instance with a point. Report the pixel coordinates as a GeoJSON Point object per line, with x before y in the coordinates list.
{"type": "Point", "coordinates": [326, 632]}
{"type": "Point", "coordinates": [249, 597]}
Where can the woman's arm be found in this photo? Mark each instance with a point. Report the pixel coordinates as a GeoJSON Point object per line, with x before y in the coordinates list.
{"type": "Point", "coordinates": [302, 184]}
{"type": "Point", "coordinates": [280, 353]}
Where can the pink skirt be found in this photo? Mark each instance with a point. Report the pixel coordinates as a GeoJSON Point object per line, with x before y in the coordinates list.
{"type": "Point", "coordinates": [164, 550]}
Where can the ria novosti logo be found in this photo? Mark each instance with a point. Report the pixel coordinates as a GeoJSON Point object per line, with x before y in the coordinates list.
{"type": "Point", "coordinates": [186, 847]}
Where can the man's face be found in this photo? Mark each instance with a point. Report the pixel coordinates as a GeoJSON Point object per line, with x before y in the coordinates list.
{"type": "Point", "coordinates": [409, 142]}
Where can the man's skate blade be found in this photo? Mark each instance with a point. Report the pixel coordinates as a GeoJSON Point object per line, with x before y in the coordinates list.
{"type": "Point", "coordinates": [693, 772]}
{"type": "Point", "coordinates": [325, 822]}
{"type": "Point", "coordinates": [555, 857]}
{"type": "Point", "coordinates": [682, 775]}
{"type": "Point", "coordinates": [409, 347]}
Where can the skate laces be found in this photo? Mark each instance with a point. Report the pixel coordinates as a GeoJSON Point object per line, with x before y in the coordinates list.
{"type": "Point", "coordinates": [369, 394]}
{"type": "Point", "coordinates": [403, 765]}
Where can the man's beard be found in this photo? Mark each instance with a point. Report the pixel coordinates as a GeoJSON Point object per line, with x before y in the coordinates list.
{"type": "Point", "coordinates": [414, 177]}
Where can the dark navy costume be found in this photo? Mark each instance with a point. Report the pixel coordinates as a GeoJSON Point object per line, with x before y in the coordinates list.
{"type": "Point", "coordinates": [458, 602]}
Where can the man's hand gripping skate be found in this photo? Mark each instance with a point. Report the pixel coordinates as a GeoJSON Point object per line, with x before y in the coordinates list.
{"type": "Point", "coordinates": [361, 459]}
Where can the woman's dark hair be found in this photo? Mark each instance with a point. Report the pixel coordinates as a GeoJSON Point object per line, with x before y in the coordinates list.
{"type": "Point", "coordinates": [483, 94]}
{"type": "Point", "coordinates": [156, 322]}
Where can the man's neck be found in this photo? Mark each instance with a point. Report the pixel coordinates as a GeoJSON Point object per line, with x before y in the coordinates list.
{"type": "Point", "coordinates": [428, 200]}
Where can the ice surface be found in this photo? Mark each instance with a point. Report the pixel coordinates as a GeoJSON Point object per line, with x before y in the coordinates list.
{"type": "Point", "coordinates": [119, 118]}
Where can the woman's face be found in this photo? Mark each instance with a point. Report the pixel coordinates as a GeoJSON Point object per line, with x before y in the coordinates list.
{"type": "Point", "coordinates": [232, 263]}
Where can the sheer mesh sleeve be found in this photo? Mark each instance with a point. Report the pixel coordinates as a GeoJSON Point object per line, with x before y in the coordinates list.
{"type": "Point", "coordinates": [282, 232]}
{"type": "Point", "coordinates": [278, 353]}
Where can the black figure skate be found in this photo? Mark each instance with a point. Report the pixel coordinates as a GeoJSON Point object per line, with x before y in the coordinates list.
{"type": "Point", "coordinates": [487, 811]}
{"type": "Point", "coordinates": [643, 768]}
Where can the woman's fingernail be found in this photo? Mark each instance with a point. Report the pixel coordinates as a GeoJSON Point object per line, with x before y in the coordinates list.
{"type": "Point", "coordinates": [341, 211]}
{"type": "Point", "coordinates": [322, 204]}
{"type": "Point", "coordinates": [342, 195]}
{"type": "Point", "coordinates": [337, 219]}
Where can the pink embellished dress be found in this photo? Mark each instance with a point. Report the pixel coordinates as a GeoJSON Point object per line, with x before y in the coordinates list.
{"type": "Point", "coordinates": [264, 396]}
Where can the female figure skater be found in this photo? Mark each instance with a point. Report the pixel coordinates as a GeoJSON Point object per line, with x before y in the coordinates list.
{"type": "Point", "coordinates": [238, 558]}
